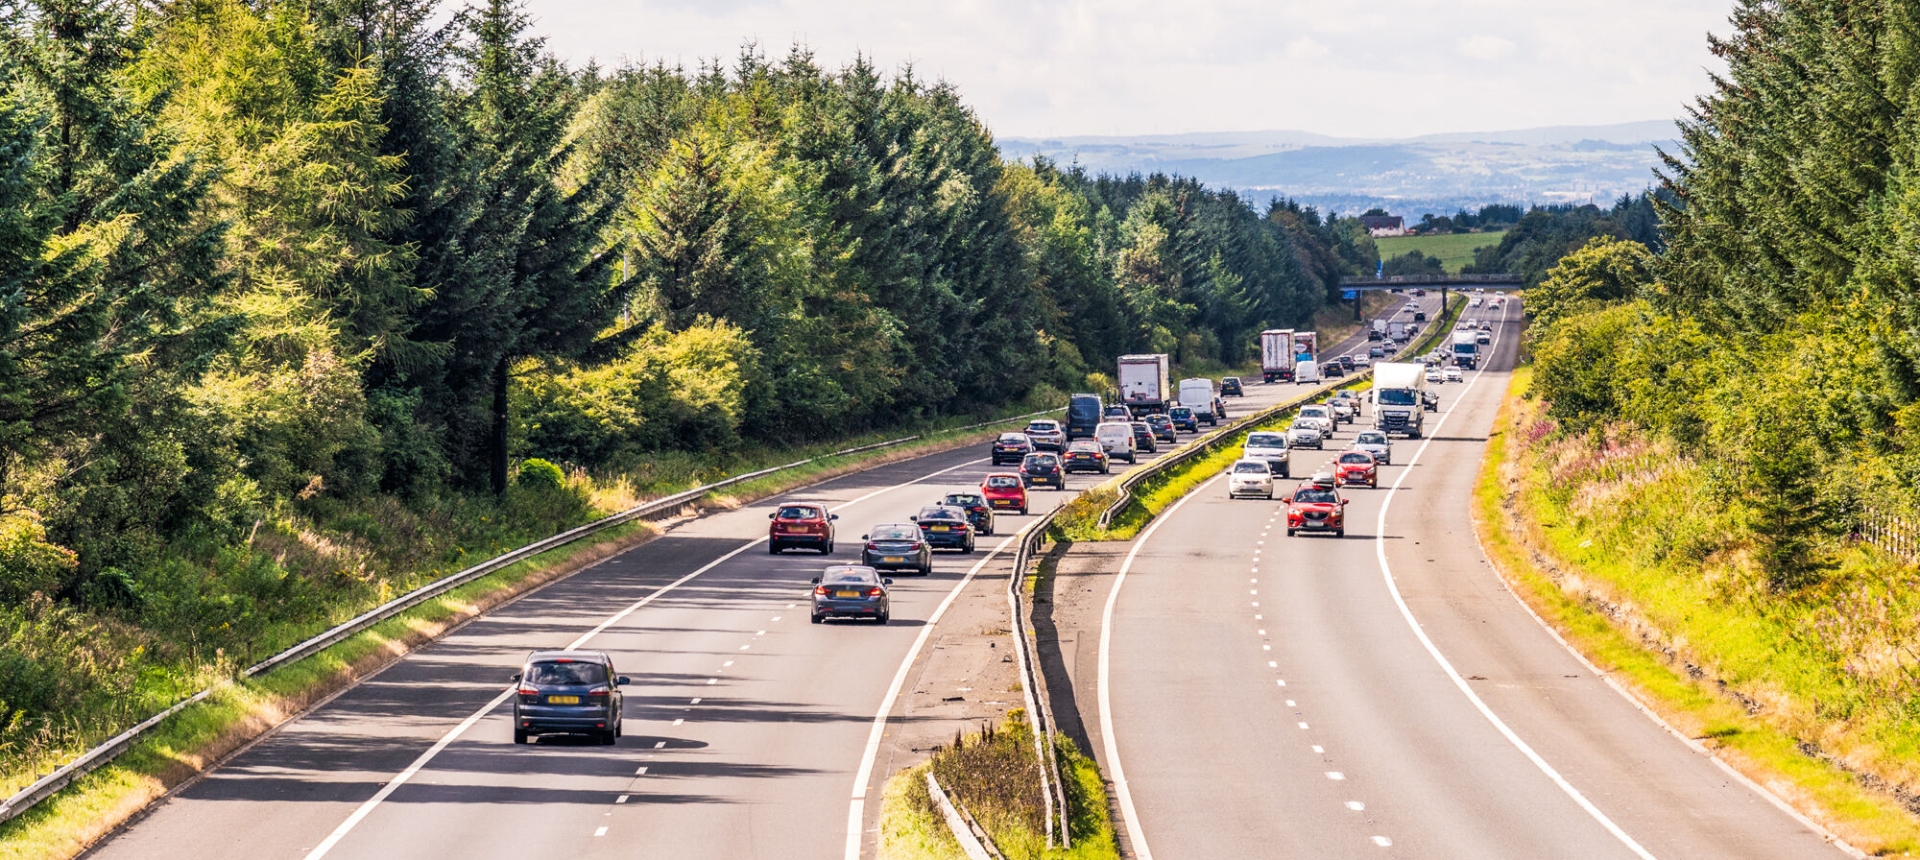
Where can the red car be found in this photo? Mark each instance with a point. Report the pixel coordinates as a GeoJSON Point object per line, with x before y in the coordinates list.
{"type": "Point", "coordinates": [1356, 467]}
{"type": "Point", "coordinates": [1005, 492]}
{"type": "Point", "coordinates": [801, 524]}
{"type": "Point", "coordinates": [1316, 506]}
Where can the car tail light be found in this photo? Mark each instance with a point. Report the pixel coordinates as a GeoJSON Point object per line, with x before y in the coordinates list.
{"type": "Point", "coordinates": [873, 592]}
{"type": "Point", "coordinates": [528, 691]}
{"type": "Point", "coordinates": [873, 547]}
{"type": "Point", "coordinates": [820, 590]}
{"type": "Point", "coordinates": [597, 693]}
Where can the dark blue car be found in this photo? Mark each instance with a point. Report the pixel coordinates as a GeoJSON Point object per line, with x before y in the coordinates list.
{"type": "Point", "coordinates": [567, 692]}
{"type": "Point", "coordinates": [945, 528]}
{"type": "Point", "coordinates": [852, 591]}
{"type": "Point", "coordinates": [1184, 419]}
{"type": "Point", "coordinates": [897, 546]}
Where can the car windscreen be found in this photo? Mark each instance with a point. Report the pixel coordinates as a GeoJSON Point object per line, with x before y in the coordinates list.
{"type": "Point", "coordinates": [1250, 469]}
{"type": "Point", "coordinates": [796, 512]}
{"type": "Point", "coordinates": [1003, 483]}
{"type": "Point", "coordinates": [1084, 409]}
{"type": "Point", "coordinates": [894, 533]}
{"type": "Point", "coordinates": [1355, 458]}
{"type": "Point", "coordinates": [852, 575]}
{"type": "Point", "coordinates": [1372, 439]}
{"type": "Point", "coordinates": [1394, 396]}
{"type": "Point", "coordinates": [573, 674]}
{"type": "Point", "coordinates": [1313, 412]}
{"type": "Point", "coordinates": [1315, 496]}
{"type": "Point", "coordinates": [1266, 440]}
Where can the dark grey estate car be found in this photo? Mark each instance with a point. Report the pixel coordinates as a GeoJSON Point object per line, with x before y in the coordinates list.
{"type": "Point", "coordinates": [851, 591]}
{"type": "Point", "coordinates": [567, 692]}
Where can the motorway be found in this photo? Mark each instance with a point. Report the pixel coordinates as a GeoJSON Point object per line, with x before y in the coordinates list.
{"type": "Point", "coordinates": [749, 732]}
{"type": "Point", "coordinates": [1385, 695]}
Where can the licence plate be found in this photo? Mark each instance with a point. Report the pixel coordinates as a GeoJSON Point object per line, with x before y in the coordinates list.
{"type": "Point", "coordinates": [846, 594]}
{"type": "Point", "coordinates": [1316, 524]}
{"type": "Point", "coordinates": [938, 528]}
{"type": "Point", "coordinates": [894, 559]}
{"type": "Point", "coordinates": [563, 700]}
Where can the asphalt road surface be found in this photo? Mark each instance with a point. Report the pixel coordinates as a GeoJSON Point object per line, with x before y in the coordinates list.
{"type": "Point", "coordinates": [746, 726]}
{"type": "Point", "coordinates": [1383, 694]}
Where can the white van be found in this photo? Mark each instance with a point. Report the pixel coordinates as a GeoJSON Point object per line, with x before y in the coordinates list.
{"type": "Point", "coordinates": [1307, 371]}
{"type": "Point", "coordinates": [1116, 438]}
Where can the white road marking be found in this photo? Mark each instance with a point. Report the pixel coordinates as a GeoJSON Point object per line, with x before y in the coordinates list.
{"type": "Point", "coordinates": [1274, 664]}
{"type": "Point", "coordinates": [745, 647]}
{"type": "Point", "coordinates": [1121, 791]}
{"type": "Point", "coordinates": [1336, 776]}
{"type": "Point", "coordinates": [1290, 704]}
{"type": "Point", "coordinates": [623, 798]}
{"type": "Point", "coordinates": [726, 664]}
{"type": "Point", "coordinates": [1356, 805]}
{"type": "Point", "coordinates": [1319, 749]}
{"type": "Point", "coordinates": [659, 744]}
{"type": "Point", "coordinates": [1263, 632]}
{"type": "Point", "coordinates": [789, 606]}
{"type": "Point", "coordinates": [763, 632]}
{"type": "Point", "coordinates": [696, 701]}
{"type": "Point", "coordinates": [711, 681]}
{"type": "Point", "coordinates": [856, 807]}
{"type": "Point", "coordinates": [600, 832]}
{"type": "Point", "coordinates": [1406, 612]}
{"type": "Point", "coordinates": [1303, 726]}
{"type": "Point", "coordinates": [678, 722]}
{"type": "Point", "coordinates": [1382, 841]}
{"type": "Point", "coordinates": [1266, 647]}
{"type": "Point", "coordinates": [641, 772]}
{"type": "Point", "coordinates": [776, 617]}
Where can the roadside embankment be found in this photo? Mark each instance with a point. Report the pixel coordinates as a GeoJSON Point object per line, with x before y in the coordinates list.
{"type": "Point", "coordinates": [1619, 544]}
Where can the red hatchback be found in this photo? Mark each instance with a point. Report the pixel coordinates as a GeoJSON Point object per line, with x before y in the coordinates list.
{"type": "Point", "coordinates": [801, 524]}
{"type": "Point", "coordinates": [1316, 506]}
{"type": "Point", "coordinates": [1357, 467]}
{"type": "Point", "coordinates": [1005, 492]}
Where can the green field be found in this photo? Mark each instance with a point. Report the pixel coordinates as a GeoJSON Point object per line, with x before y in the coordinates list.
{"type": "Point", "coordinates": [1454, 250]}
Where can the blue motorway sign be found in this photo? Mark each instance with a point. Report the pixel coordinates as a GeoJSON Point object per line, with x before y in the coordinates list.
{"type": "Point", "coordinates": [1349, 295]}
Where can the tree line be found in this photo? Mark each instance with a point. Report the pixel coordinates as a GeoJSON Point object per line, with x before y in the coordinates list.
{"type": "Point", "coordinates": [280, 276]}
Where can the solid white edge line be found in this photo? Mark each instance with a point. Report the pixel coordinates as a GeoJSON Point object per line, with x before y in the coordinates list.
{"type": "Point", "coordinates": [1406, 613]}
{"type": "Point", "coordinates": [857, 806]}
{"type": "Point", "coordinates": [1135, 835]}
{"type": "Point", "coordinates": [453, 734]}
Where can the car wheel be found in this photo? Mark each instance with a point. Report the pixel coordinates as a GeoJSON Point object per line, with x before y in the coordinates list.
{"type": "Point", "coordinates": [519, 736]}
{"type": "Point", "coordinates": [1289, 532]}
{"type": "Point", "coordinates": [608, 738]}
{"type": "Point", "coordinates": [968, 549]}
{"type": "Point", "coordinates": [926, 569]}
{"type": "Point", "coordinates": [883, 616]}
{"type": "Point", "coordinates": [1269, 495]}
{"type": "Point", "coordinates": [817, 618]}
{"type": "Point", "coordinates": [1023, 510]}
{"type": "Point", "coordinates": [1339, 533]}
{"type": "Point", "coordinates": [773, 548]}
{"type": "Point", "coordinates": [828, 549]}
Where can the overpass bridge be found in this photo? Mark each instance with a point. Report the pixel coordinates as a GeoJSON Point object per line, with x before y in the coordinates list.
{"type": "Point", "coordinates": [1351, 287]}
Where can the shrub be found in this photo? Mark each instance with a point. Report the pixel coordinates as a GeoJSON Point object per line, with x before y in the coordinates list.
{"type": "Point", "coordinates": [538, 474]}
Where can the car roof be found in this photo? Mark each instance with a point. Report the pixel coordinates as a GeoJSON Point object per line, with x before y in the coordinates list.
{"type": "Point", "coordinates": [574, 656]}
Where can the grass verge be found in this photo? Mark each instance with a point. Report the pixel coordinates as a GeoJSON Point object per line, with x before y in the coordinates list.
{"type": "Point", "coordinates": [1679, 654]}
{"type": "Point", "coordinates": [201, 736]}
{"type": "Point", "coordinates": [994, 775]}
{"type": "Point", "coordinates": [1454, 249]}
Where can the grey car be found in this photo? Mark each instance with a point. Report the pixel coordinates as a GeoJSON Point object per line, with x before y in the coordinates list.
{"type": "Point", "coordinates": [851, 591]}
{"type": "Point", "coordinates": [567, 693]}
{"type": "Point", "coordinates": [1304, 435]}
{"type": "Point", "coordinates": [1375, 442]}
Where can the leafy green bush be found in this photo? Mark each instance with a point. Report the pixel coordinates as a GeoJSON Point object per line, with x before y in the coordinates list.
{"type": "Point", "coordinates": [538, 474]}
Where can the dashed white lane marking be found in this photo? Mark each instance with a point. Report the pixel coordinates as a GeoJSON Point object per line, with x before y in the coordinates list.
{"type": "Point", "coordinates": [1319, 749]}
{"type": "Point", "coordinates": [1290, 704]}
{"type": "Point", "coordinates": [713, 680]}
{"type": "Point", "coordinates": [776, 618]}
{"type": "Point", "coordinates": [622, 798]}
{"type": "Point", "coordinates": [745, 647]}
{"type": "Point", "coordinates": [1263, 632]}
{"type": "Point", "coordinates": [789, 606]}
{"type": "Point", "coordinates": [1382, 841]}
{"type": "Point", "coordinates": [1253, 591]}
{"type": "Point", "coordinates": [600, 832]}
{"type": "Point", "coordinates": [726, 664]}
{"type": "Point", "coordinates": [1256, 616]}
{"type": "Point", "coordinates": [1281, 681]}
{"type": "Point", "coordinates": [1303, 725]}
{"type": "Point", "coordinates": [1275, 664]}
{"type": "Point", "coordinates": [1256, 603]}
{"type": "Point", "coordinates": [1335, 775]}
{"type": "Point", "coordinates": [763, 632]}
{"type": "Point", "coordinates": [696, 701]}
{"type": "Point", "coordinates": [641, 772]}
{"type": "Point", "coordinates": [663, 744]}
{"type": "Point", "coordinates": [1356, 806]}
{"type": "Point", "coordinates": [678, 722]}
{"type": "Point", "coordinates": [1266, 647]}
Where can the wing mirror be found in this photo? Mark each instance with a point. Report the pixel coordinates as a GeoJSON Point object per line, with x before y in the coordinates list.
{"type": "Point", "coordinates": [816, 580]}
{"type": "Point", "coordinates": [1345, 502]}
{"type": "Point", "coordinates": [833, 516]}
{"type": "Point", "coordinates": [915, 518]}
{"type": "Point", "coordinates": [622, 681]}
{"type": "Point", "coordinates": [516, 676]}
{"type": "Point", "coordinates": [886, 582]}
{"type": "Point", "coordinates": [1288, 498]}
{"type": "Point", "coordinates": [772, 515]}
{"type": "Point", "coordinates": [863, 537]}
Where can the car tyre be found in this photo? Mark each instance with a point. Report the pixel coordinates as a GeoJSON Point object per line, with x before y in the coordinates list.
{"type": "Point", "coordinates": [773, 548]}
{"type": "Point", "coordinates": [1289, 532]}
{"type": "Point", "coordinates": [608, 738]}
{"type": "Point", "coordinates": [828, 549]}
{"type": "Point", "coordinates": [519, 736]}
{"type": "Point", "coordinates": [1339, 533]}
{"type": "Point", "coordinates": [1023, 510]}
{"type": "Point", "coordinates": [926, 569]}
{"type": "Point", "coordinates": [817, 618]}
{"type": "Point", "coordinates": [883, 616]}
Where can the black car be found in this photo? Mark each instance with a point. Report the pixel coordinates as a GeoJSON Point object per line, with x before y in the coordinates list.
{"type": "Point", "coordinates": [1230, 387]}
{"type": "Point", "coordinates": [1143, 438]}
{"type": "Point", "coordinates": [1419, 316]}
{"type": "Point", "coordinates": [567, 693]}
{"type": "Point", "coordinates": [945, 527]}
{"type": "Point", "coordinates": [979, 513]}
{"type": "Point", "coordinates": [897, 546]}
{"type": "Point", "coordinates": [1346, 363]}
{"type": "Point", "coordinates": [1011, 447]}
{"type": "Point", "coordinates": [1043, 469]}
{"type": "Point", "coordinates": [1333, 368]}
{"type": "Point", "coordinates": [851, 591]}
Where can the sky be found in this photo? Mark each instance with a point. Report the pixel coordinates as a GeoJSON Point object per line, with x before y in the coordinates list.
{"type": "Point", "coordinates": [1351, 68]}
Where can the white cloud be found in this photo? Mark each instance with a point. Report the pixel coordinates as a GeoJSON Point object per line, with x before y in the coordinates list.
{"type": "Point", "coordinates": [1057, 67]}
{"type": "Point", "coordinates": [1485, 47]}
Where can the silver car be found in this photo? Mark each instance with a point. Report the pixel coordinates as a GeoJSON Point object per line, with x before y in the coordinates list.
{"type": "Point", "coordinates": [1305, 435]}
{"type": "Point", "coordinates": [1047, 435]}
{"type": "Point", "coordinates": [1375, 442]}
{"type": "Point", "coordinates": [1271, 447]}
{"type": "Point", "coordinates": [1250, 478]}
{"type": "Point", "coordinates": [1318, 416]}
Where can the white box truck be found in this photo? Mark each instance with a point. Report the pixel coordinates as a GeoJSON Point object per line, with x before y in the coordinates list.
{"type": "Point", "coordinates": [1197, 394]}
{"type": "Point", "coordinates": [1377, 330]}
{"type": "Point", "coordinates": [1306, 346]}
{"type": "Point", "coordinates": [1466, 349]}
{"type": "Point", "coordinates": [1143, 383]}
{"type": "Point", "coordinates": [1276, 355]}
{"type": "Point", "coordinates": [1399, 391]}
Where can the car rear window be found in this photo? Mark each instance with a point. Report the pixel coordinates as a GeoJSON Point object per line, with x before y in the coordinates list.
{"type": "Point", "coordinates": [1003, 483]}
{"type": "Point", "coordinates": [1040, 460]}
{"type": "Point", "coordinates": [566, 674]}
{"type": "Point", "coordinates": [1013, 437]}
{"type": "Point", "coordinates": [964, 499]}
{"type": "Point", "coordinates": [1266, 440]}
{"type": "Point", "coordinates": [1372, 439]}
{"type": "Point", "coordinates": [797, 512]}
{"type": "Point", "coordinates": [894, 533]}
{"type": "Point", "coordinates": [938, 514]}
{"type": "Point", "coordinates": [850, 574]}
{"type": "Point", "coordinates": [1044, 426]}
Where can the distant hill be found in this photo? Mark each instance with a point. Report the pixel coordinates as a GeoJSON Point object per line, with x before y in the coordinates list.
{"type": "Point", "coordinates": [1437, 173]}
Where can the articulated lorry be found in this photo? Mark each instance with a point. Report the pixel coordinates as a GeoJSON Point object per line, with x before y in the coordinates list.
{"type": "Point", "coordinates": [1143, 383]}
{"type": "Point", "coordinates": [1276, 355]}
{"type": "Point", "coordinates": [1466, 349]}
{"type": "Point", "coordinates": [1399, 392]}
